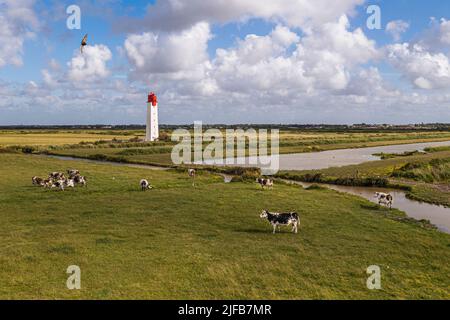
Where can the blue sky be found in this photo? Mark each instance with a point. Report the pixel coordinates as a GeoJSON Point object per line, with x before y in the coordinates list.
{"type": "Point", "coordinates": [226, 63]}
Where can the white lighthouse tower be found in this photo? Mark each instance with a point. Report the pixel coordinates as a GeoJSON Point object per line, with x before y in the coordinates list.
{"type": "Point", "coordinates": [152, 131]}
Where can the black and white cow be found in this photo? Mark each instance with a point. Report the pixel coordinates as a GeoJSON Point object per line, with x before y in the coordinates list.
{"type": "Point", "coordinates": [384, 198]}
{"type": "Point", "coordinates": [80, 180]}
{"type": "Point", "coordinates": [37, 181]}
{"type": "Point", "coordinates": [265, 182]}
{"type": "Point", "coordinates": [72, 173]}
{"type": "Point", "coordinates": [56, 175]}
{"type": "Point", "coordinates": [282, 219]}
{"type": "Point", "coordinates": [145, 185]}
{"type": "Point", "coordinates": [69, 183]}
{"type": "Point", "coordinates": [58, 184]}
{"type": "Point", "coordinates": [48, 183]}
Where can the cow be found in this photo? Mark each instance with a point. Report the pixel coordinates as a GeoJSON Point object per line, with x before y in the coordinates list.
{"type": "Point", "coordinates": [37, 181]}
{"type": "Point", "coordinates": [192, 173]}
{"type": "Point", "coordinates": [384, 198]}
{"type": "Point", "coordinates": [282, 219]}
{"type": "Point", "coordinates": [78, 179]}
{"type": "Point", "coordinates": [48, 183]}
{"type": "Point", "coordinates": [145, 185]}
{"type": "Point", "coordinates": [72, 173]}
{"type": "Point", "coordinates": [265, 182]}
{"type": "Point", "coordinates": [58, 184]}
{"type": "Point", "coordinates": [56, 175]}
{"type": "Point", "coordinates": [69, 183]}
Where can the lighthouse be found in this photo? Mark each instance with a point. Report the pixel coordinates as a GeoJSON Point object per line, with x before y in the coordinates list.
{"type": "Point", "coordinates": [152, 131]}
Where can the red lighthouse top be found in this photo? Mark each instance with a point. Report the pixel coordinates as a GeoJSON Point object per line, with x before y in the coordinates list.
{"type": "Point", "coordinates": [152, 99]}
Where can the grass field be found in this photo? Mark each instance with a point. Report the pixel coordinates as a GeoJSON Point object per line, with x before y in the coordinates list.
{"type": "Point", "coordinates": [209, 242]}
{"type": "Point", "coordinates": [56, 137]}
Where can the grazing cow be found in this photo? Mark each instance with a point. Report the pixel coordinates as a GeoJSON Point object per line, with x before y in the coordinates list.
{"type": "Point", "coordinates": [192, 174]}
{"type": "Point", "coordinates": [69, 183]}
{"type": "Point", "coordinates": [284, 219]}
{"type": "Point", "coordinates": [384, 198]}
{"type": "Point", "coordinates": [80, 180]}
{"type": "Point", "coordinates": [56, 175]}
{"type": "Point", "coordinates": [58, 184]}
{"type": "Point", "coordinates": [145, 185]}
{"type": "Point", "coordinates": [265, 182]}
{"type": "Point", "coordinates": [48, 183]}
{"type": "Point", "coordinates": [72, 173]}
{"type": "Point", "coordinates": [37, 181]}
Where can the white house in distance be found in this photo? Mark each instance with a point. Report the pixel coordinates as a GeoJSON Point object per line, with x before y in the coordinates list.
{"type": "Point", "coordinates": [152, 130]}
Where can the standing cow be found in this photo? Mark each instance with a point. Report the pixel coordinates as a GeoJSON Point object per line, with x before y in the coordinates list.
{"type": "Point", "coordinates": [145, 185]}
{"type": "Point", "coordinates": [282, 219]}
{"type": "Point", "coordinates": [384, 198]}
{"type": "Point", "coordinates": [78, 179]}
{"type": "Point", "coordinates": [268, 183]}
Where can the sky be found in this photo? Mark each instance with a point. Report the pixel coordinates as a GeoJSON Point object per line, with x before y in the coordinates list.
{"type": "Point", "coordinates": [225, 61]}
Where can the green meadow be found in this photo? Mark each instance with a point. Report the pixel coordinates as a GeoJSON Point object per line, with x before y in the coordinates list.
{"type": "Point", "coordinates": [207, 242]}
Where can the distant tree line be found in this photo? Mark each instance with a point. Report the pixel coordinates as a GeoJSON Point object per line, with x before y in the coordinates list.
{"type": "Point", "coordinates": [305, 127]}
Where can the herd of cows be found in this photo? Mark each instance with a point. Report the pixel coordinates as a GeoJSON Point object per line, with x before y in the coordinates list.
{"type": "Point", "coordinates": [59, 181]}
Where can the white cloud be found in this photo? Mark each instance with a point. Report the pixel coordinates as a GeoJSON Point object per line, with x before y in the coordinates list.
{"type": "Point", "coordinates": [260, 63]}
{"type": "Point", "coordinates": [353, 46]}
{"type": "Point", "coordinates": [17, 24]}
{"type": "Point", "coordinates": [437, 37]}
{"type": "Point", "coordinates": [423, 83]}
{"type": "Point", "coordinates": [280, 68]}
{"type": "Point", "coordinates": [182, 14]}
{"type": "Point", "coordinates": [425, 69]}
{"type": "Point", "coordinates": [323, 59]}
{"type": "Point", "coordinates": [369, 83]}
{"type": "Point", "coordinates": [168, 52]}
{"type": "Point", "coordinates": [54, 65]}
{"type": "Point", "coordinates": [278, 64]}
{"type": "Point", "coordinates": [330, 52]}
{"type": "Point", "coordinates": [255, 48]}
{"type": "Point", "coordinates": [397, 28]}
{"type": "Point", "coordinates": [444, 29]}
{"type": "Point", "coordinates": [90, 65]}
{"type": "Point", "coordinates": [48, 79]}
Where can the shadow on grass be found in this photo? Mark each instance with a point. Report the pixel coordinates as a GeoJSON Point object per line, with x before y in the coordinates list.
{"type": "Point", "coordinates": [253, 231]}
{"type": "Point", "coordinates": [373, 207]}
{"type": "Point", "coordinates": [265, 231]}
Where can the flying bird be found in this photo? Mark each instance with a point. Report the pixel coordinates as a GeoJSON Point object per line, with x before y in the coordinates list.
{"type": "Point", "coordinates": [83, 43]}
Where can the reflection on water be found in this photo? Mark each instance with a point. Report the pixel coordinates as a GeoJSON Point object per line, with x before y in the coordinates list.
{"type": "Point", "coordinates": [437, 215]}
